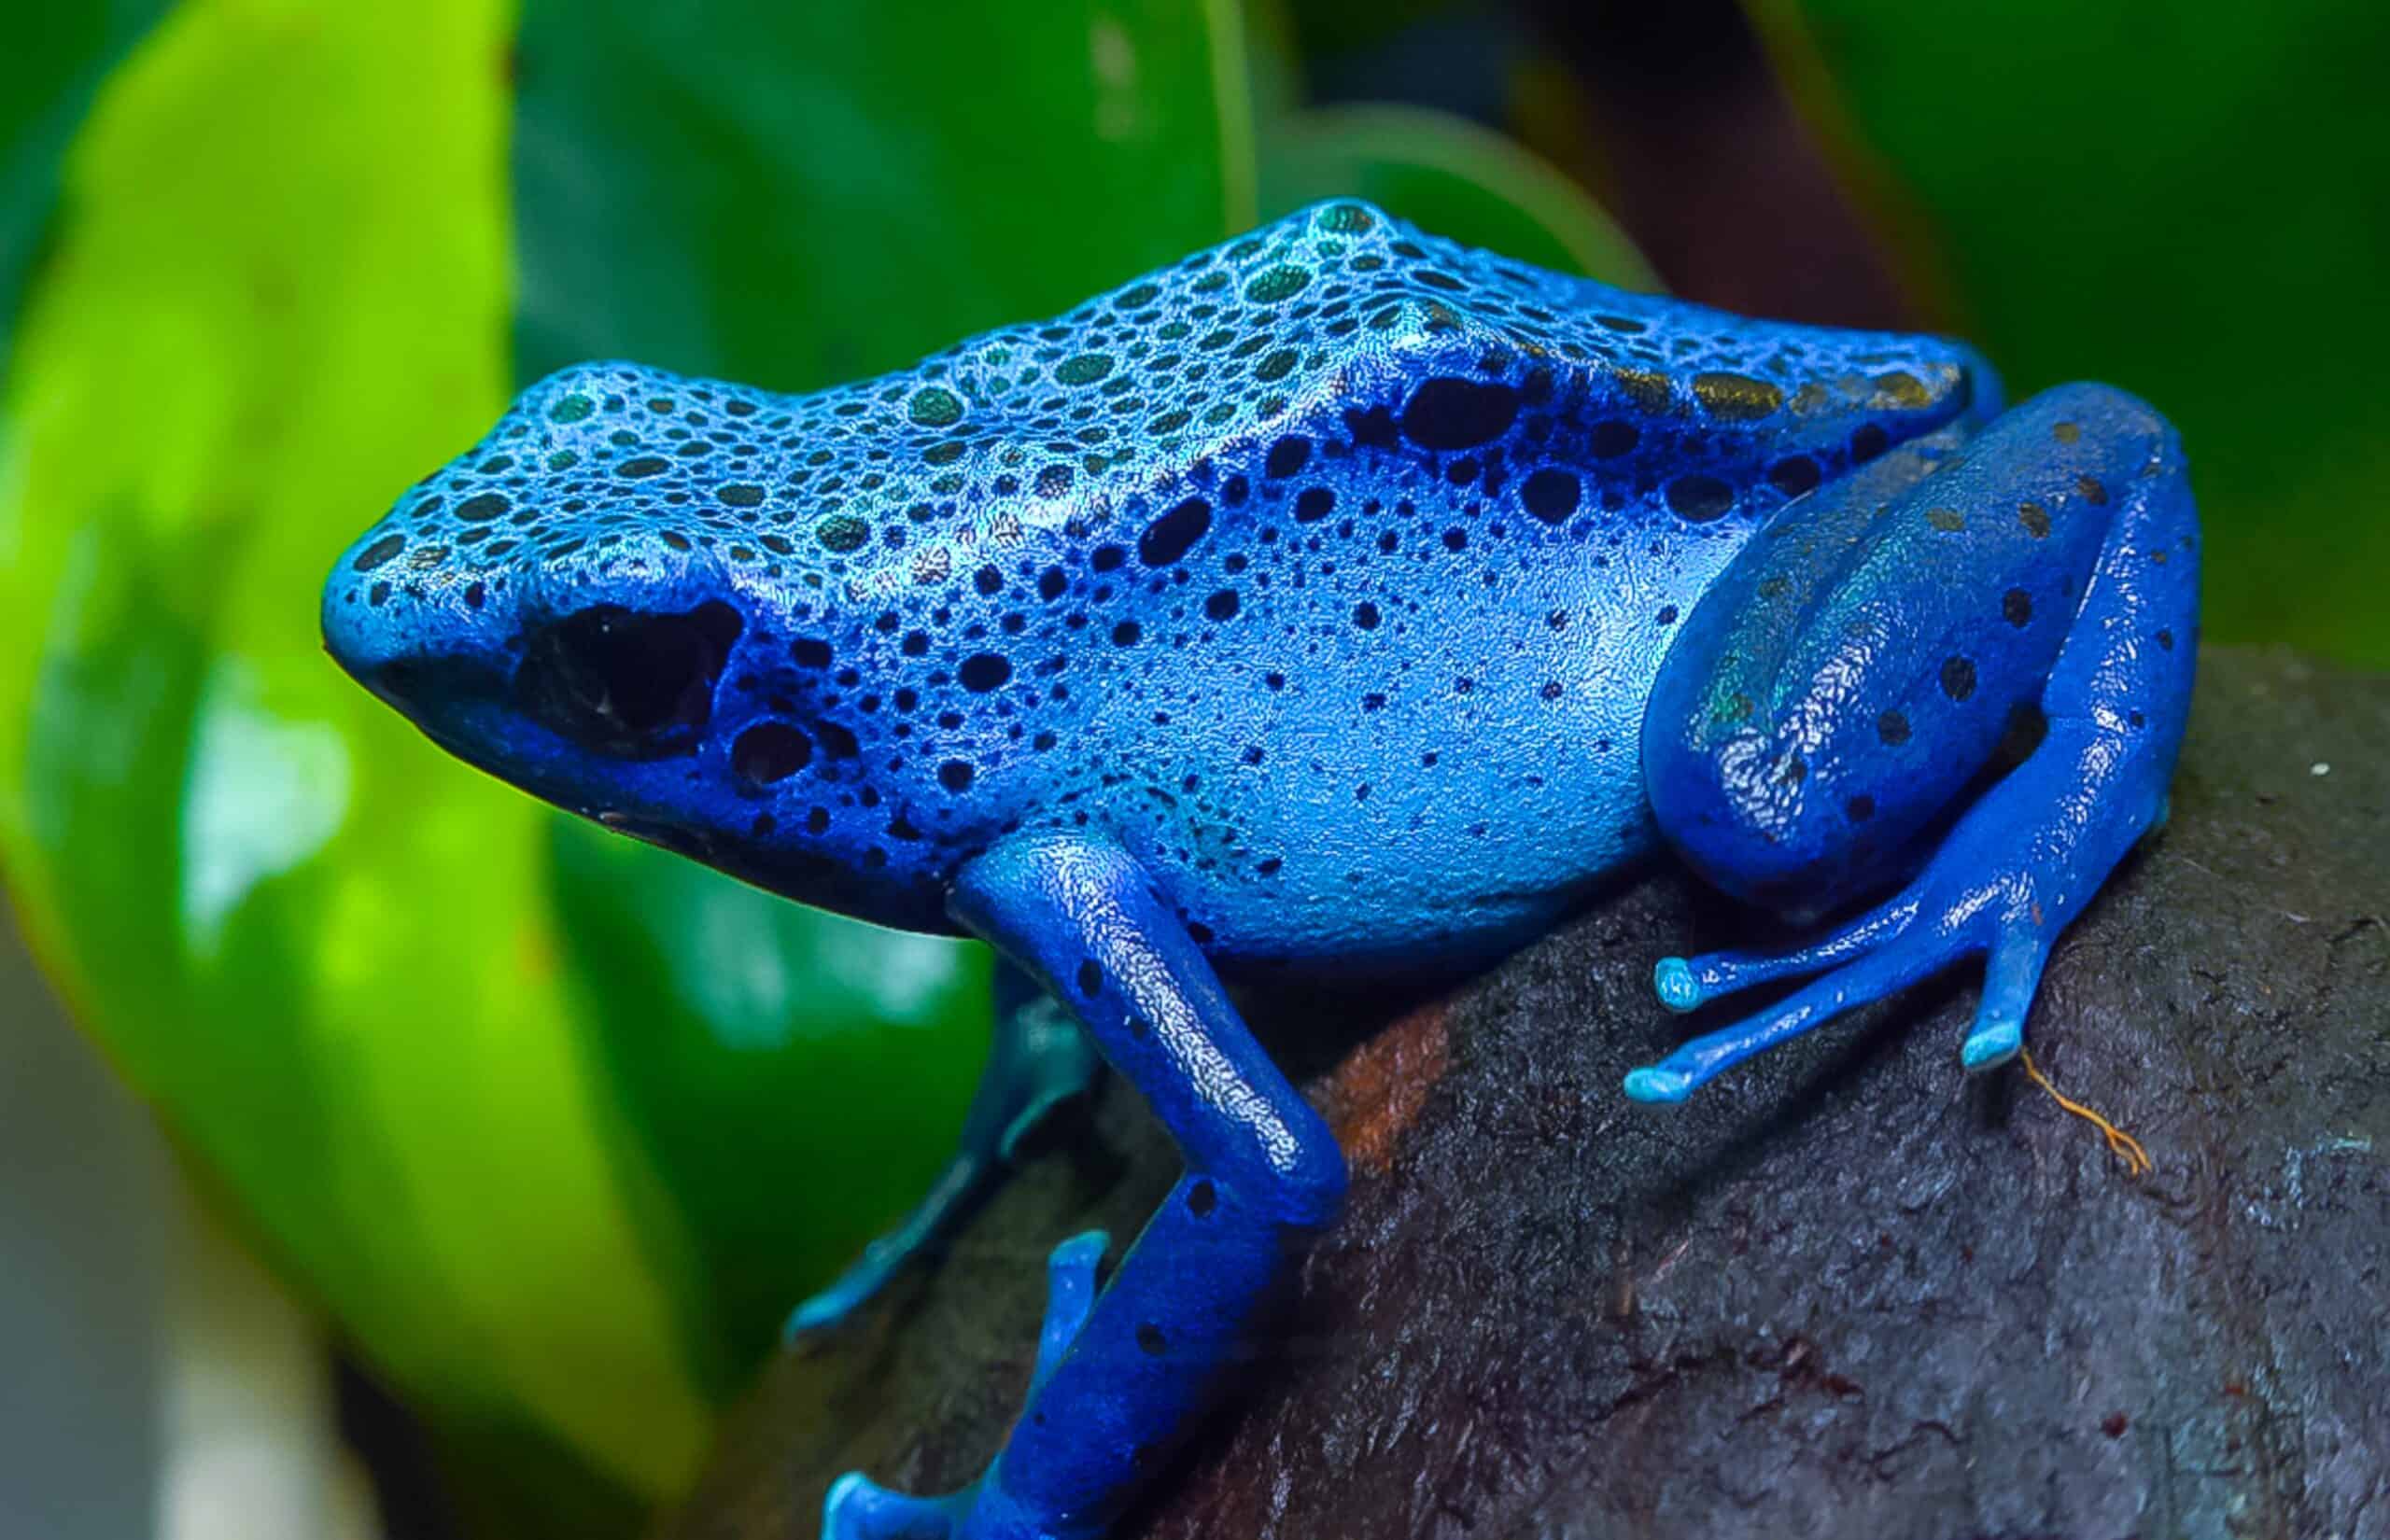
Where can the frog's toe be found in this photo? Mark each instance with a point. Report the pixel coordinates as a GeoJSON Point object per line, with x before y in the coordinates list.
{"type": "Point", "coordinates": [1992, 1043]}
{"type": "Point", "coordinates": [1070, 1294]}
{"type": "Point", "coordinates": [2009, 981]}
{"type": "Point", "coordinates": [1651, 1084]}
{"type": "Point", "coordinates": [1876, 974]}
{"type": "Point", "coordinates": [1673, 980]}
{"type": "Point", "coordinates": [1072, 1275]}
{"type": "Point", "coordinates": [825, 1312]}
{"type": "Point", "coordinates": [1687, 984]}
{"type": "Point", "coordinates": [859, 1508]}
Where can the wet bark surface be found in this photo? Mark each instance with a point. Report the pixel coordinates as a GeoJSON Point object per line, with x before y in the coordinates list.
{"type": "Point", "coordinates": [1845, 1289]}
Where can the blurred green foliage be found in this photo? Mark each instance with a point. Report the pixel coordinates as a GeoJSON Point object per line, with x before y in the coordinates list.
{"type": "Point", "coordinates": [2190, 201]}
{"type": "Point", "coordinates": [278, 289]}
{"type": "Point", "coordinates": [1451, 177]}
{"type": "Point", "coordinates": [56, 58]}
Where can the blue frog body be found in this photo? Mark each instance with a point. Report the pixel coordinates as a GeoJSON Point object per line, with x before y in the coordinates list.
{"type": "Point", "coordinates": [1341, 600]}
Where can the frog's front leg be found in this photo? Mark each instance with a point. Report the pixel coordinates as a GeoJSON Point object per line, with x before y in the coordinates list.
{"type": "Point", "coordinates": [1038, 1060]}
{"type": "Point", "coordinates": [1263, 1175]}
{"type": "Point", "coordinates": [1852, 674]}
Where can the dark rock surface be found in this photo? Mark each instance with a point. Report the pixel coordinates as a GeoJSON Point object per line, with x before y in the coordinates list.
{"type": "Point", "coordinates": [1845, 1290]}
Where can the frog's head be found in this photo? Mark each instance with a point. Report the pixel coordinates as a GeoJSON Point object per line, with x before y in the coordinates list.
{"type": "Point", "coordinates": [612, 602]}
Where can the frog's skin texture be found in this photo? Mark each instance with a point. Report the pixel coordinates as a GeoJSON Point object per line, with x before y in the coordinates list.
{"type": "Point", "coordinates": [1338, 599]}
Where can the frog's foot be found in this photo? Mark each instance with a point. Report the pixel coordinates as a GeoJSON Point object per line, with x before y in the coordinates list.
{"type": "Point", "coordinates": [957, 1189]}
{"type": "Point", "coordinates": [2014, 871]}
{"type": "Point", "coordinates": [859, 1508]}
{"type": "Point", "coordinates": [1039, 1062]}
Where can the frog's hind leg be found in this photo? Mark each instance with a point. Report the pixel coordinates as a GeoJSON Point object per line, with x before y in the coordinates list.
{"type": "Point", "coordinates": [1038, 1061]}
{"type": "Point", "coordinates": [1846, 683]}
{"type": "Point", "coordinates": [1122, 1381]}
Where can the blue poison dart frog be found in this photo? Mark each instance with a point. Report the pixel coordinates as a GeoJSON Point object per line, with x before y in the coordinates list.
{"type": "Point", "coordinates": [1338, 600]}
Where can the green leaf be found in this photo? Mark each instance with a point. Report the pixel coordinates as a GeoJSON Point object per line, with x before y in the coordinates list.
{"type": "Point", "coordinates": [2187, 203]}
{"type": "Point", "coordinates": [795, 195]}
{"type": "Point", "coordinates": [323, 950]}
{"type": "Point", "coordinates": [56, 57]}
{"type": "Point", "coordinates": [1450, 177]}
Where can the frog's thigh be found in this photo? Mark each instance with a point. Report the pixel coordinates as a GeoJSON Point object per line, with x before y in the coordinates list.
{"type": "Point", "coordinates": [1862, 659]}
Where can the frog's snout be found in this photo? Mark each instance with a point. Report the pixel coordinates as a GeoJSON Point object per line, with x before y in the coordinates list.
{"type": "Point", "coordinates": [614, 659]}
{"type": "Point", "coordinates": [371, 628]}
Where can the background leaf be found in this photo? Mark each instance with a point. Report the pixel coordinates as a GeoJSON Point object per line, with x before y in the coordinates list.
{"type": "Point", "coordinates": [795, 195]}
{"type": "Point", "coordinates": [56, 57]}
{"type": "Point", "coordinates": [1449, 176]}
{"type": "Point", "coordinates": [2185, 201]}
{"type": "Point", "coordinates": [280, 292]}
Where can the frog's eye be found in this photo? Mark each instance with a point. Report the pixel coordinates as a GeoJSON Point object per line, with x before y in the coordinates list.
{"type": "Point", "coordinates": [623, 683]}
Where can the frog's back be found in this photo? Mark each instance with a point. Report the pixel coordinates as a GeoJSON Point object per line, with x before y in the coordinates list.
{"type": "Point", "coordinates": [1329, 568]}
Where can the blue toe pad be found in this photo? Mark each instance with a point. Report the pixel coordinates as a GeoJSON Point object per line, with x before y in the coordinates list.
{"type": "Point", "coordinates": [1662, 1085]}
{"type": "Point", "coordinates": [1672, 980]}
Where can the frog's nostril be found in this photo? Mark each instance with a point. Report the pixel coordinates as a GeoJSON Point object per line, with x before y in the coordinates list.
{"type": "Point", "coordinates": [624, 682]}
